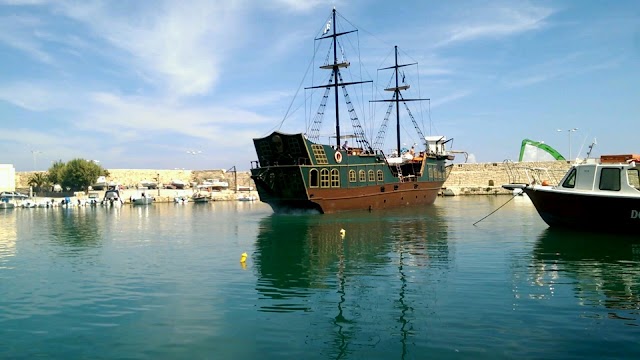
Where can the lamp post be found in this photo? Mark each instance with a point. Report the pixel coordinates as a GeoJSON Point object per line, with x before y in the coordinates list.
{"type": "Point", "coordinates": [35, 154]}
{"type": "Point", "coordinates": [569, 131]}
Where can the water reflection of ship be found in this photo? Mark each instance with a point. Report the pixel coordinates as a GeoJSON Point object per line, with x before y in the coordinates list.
{"type": "Point", "coordinates": [299, 257]}
{"type": "Point", "coordinates": [604, 267]}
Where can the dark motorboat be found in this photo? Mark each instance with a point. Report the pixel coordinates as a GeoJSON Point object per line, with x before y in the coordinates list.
{"type": "Point", "coordinates": [112, 196]}
{"type": "Point", "coordinates": [595, 194]}
{"type": "Point", "coordinates": [297, 172]}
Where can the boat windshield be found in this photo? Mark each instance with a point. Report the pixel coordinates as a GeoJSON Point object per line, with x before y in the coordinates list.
{"type": "Point", "coordinates": [633, 175]}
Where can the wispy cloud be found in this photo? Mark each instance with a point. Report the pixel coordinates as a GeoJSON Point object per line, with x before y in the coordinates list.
{"type": "Point", "coordinates": [570, 65]}
{"type": "Point", "coordinates": [18, 32]}
{"type": "Point", "coordinates": [136, 115]}
{"type": "Point", "coordinates": [497, 22]}
{"type": "Point", "coordinates": [24, 2]}
{"type": "Point", "coordinates": [451, 97]}
{"type": "Point", "coordinates": [303, 6]}
{"type": "Point", "coordinates": [179, 47]}
{"type": "Point", "coordinates": [36, 96]}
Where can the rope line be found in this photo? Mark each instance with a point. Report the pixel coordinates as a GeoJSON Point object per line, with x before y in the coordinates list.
{"type": "Point", "coordinates": [491, 213]}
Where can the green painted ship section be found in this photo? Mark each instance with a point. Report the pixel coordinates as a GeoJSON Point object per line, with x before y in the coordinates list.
{"type": "Point", "coordinates": [287, 161]}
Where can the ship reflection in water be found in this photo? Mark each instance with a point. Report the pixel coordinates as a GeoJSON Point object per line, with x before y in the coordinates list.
{"type": "Point", "coordinates": [603, 271]}
{"type": "Point", "coordinates": [380, 272]}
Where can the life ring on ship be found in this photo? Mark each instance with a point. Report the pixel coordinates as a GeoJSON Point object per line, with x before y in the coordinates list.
{"type": "Point", "coordinates": [338, 156]}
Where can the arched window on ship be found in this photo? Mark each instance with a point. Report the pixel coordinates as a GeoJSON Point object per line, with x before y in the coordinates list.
{"type": "Point", "coordinates": [352, 176]}
{"type": "Point", "coordinates": [335, 178]}
{"type": "Point", "coordinates": [324, 178]}
{"type": "Point", "coordinates": [313, 178]}
{"type": "Point", "coordinates": [362, 175]}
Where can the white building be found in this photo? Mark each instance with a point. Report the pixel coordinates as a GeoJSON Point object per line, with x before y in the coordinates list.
{"type": "Point", "coordinates": [7, 177]}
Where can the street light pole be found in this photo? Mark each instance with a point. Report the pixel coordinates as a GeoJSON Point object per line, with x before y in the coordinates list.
{"type": "Point", "coordinates": [35, 154]}
{"type": "Point", "coordinates": [569, 131]}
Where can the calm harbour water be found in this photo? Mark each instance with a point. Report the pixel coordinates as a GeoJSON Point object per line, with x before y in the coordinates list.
{"type": "Point", "coordinates": [166, 282]}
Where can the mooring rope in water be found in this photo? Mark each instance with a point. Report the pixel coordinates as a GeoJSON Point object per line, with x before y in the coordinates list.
{"type": "Point", "coordinates": [491, 213]}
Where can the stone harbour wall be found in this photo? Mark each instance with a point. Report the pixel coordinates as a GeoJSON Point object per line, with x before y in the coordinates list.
{"type": "Point", "coordinates": [488, 178]}
{"type": "Point", "coordinates": [464, 179]}
{"type": "Point", "coordinates": [131, 178]}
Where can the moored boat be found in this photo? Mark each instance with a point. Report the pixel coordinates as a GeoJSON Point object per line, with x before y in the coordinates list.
{"type": "Point", "coordinates": [595, 194]}
{"type": "Point", "coordinates": [200, 197]}
{"type": "Point", "coordinates": [100, 184]}
{"type": "Point", "coordinates": [298, 172]}
{"type": "Point", "coordinates": [6, 204]}
{"type": "Point", "coordinates": [178, 184]}
{"type": "Point", "coordinates": [213, 184]}
{"type": "Point", "coordinates": [149, 184]}
{"type": "Point", "coordinates": [142, 197]}
{"type": "Point", "coordinates": [181, 199]}
{"type": "Point", "coordinates": [112, 197]}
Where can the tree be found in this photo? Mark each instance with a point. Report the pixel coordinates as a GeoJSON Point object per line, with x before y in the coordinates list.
{"type": "Point", "coordinates": [76, 175]}
{"type": "Point", "coordinates": [39, 181]}
{"type": "Point", "coordinates": [80, 173]}
{"type": "Point", "coordinates": [56, 172]}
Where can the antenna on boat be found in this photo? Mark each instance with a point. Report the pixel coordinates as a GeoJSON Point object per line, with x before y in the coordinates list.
{"type": "Point", "coordinates": [591, 147]}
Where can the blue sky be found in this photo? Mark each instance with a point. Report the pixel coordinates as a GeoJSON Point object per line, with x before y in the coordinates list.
{"type": "Point", "coordinates": [173, 84]}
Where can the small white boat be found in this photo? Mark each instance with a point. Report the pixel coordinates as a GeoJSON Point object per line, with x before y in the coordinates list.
{"type": "Point", "coordinates": [100, 184]}
{"type": "Point", "coordinates": [214, 184]}
{"type": "Point", "coordinates": [142, 197]}
{"type": "Point", "coordinates": [148, 184]}
{"type": "Point", "coordinates": [201, 197]}
{"type": "Point", "coordinates": [181, 199]}
{"type": "Point", "coordinates": [112, 198]}
{"type": "Point", "coordinates": [6, 204]}
{"type": "Point", "coordinates": [178, 184]}
{"type": "Point", "coordinates": [595, 194]}
{"type": "Point", "coordinates": [247, 197]}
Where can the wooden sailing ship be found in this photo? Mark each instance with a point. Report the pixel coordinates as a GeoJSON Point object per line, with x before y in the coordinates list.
{"type": "Point", "coordinates": [297, 172]}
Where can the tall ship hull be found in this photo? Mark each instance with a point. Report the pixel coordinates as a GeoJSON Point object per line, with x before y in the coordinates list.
{"type": "Point", "coordinates": [297, 172]}
{"type": "Point", "coordinates": [294, 173]}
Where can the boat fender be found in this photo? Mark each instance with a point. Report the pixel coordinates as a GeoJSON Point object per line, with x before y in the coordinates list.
{"type": "Point", "coordinates": [338, 156]}
{"type": "Point", "coordinates": [545, 183]}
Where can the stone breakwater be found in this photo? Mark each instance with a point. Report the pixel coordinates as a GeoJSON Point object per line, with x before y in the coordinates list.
{"type": "Point", "coordinates": [464, 179]}
{"type": "Point", "coordinates": [487, 178]}
{"type": "Point", "coordinates": [131, 178]}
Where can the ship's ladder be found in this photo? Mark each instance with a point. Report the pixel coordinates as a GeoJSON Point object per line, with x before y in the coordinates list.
{"type": "Point", "coordinates": [399, 170]}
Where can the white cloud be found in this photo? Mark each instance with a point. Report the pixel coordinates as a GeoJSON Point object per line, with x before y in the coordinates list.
{"type": "Point", "coordinates": [179, 47]}
{"type": "Point", "coordinates": [451, 97]}
{"type": "Point", "coordinates": [303, 5]}
{"type": "Point", "coordinates": [572, 64]}
{"type": "Point", "coordinates": [23, 2]}
{"type": "Point", "coordinates": [17, 32]}
{"type": "Point", "coordinates": [38, 97]}
{"type": "Point", "coordinates": [497, 23]}
{"type": "Point", "coordinates": [138, 115]}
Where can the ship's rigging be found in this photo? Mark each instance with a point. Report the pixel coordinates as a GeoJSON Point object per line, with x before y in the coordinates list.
{"type": "Point", "coordinates": [335, 64]}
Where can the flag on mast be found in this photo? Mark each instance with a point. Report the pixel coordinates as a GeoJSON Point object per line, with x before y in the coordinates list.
{"type": "Point", "coordinates": [327, 27]}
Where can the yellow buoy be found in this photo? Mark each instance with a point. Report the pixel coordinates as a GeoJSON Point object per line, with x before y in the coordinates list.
{"type": "Point", "coordinates": [243, 257]}
{"type": "Point", "coordinates": [342, 232]}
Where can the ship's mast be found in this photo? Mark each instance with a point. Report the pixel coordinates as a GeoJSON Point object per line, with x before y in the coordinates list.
{"type": "Point", "coordinates": [335, 70]}
{"type": "Point", "coordinates": [397, 96]}
{"type": "Point", "coordinates": [335, 75]}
